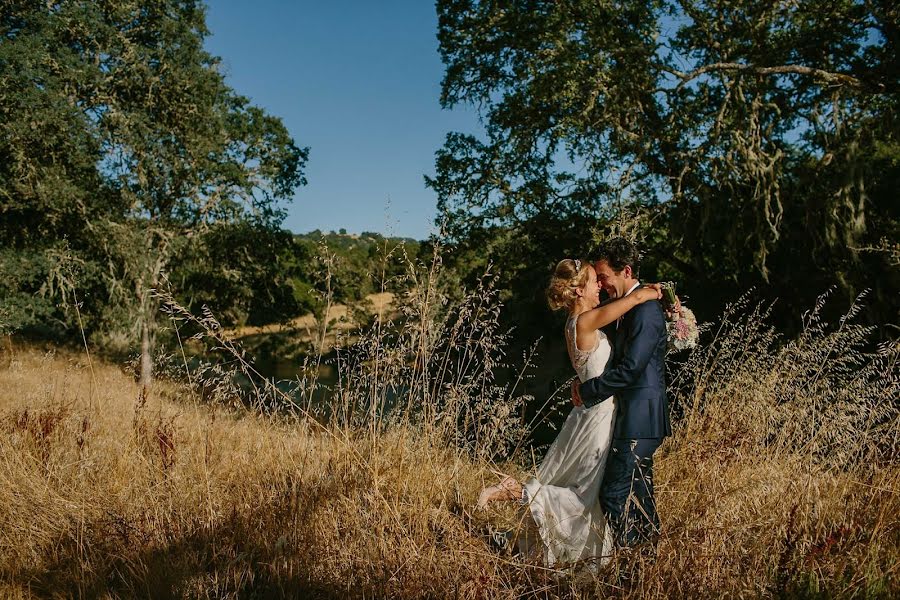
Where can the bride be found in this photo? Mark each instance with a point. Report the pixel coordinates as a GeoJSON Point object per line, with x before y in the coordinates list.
{"type": "Point", "coordinates": [563, 497]}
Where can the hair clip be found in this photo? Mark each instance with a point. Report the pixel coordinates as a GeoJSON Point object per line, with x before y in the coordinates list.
{"type": "Point", "coordinates": [577, 264]}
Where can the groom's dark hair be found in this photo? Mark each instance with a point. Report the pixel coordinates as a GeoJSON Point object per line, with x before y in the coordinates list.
{"type": "Point", "coordinates": [619, 253]}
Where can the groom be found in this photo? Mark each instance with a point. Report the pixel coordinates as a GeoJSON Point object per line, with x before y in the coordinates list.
{"type": "Point", "coordinates": [636, 376]}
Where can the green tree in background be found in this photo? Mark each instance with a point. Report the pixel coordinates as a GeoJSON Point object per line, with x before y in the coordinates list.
{"type": "Point", "coordinates": [363, 264]}
{"type": "Point", "coordinates": [122, 142]}
{"type": "Point", "coordinates": [250, 273]}
{"type": "Point", "coordinates": [758, 140]}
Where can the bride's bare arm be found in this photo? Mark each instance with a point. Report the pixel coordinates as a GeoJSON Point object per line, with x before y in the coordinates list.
{"type": "Point", "coordinates": [609, 312]}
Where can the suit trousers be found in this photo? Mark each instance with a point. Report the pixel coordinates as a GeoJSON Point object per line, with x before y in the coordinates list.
{"type": "Point", "coordinates": [627, 491]}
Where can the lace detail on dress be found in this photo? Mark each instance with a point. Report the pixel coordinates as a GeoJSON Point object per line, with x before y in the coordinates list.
{"type": "Point", "coordinates": [587, 363]}
{"type": "Point", "coordinates": [578, 357]}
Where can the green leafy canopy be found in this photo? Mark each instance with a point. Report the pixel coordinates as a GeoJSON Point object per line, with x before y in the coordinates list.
{"type": "Point", "coordinates": [746, 130]}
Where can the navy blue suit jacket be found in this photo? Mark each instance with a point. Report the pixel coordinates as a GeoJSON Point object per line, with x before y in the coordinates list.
{"type": "Point", "coordinates": [636, 376]}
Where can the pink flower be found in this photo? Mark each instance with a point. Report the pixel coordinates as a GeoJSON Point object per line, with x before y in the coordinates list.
{"type": "Point", "coordinates": [682, 329]}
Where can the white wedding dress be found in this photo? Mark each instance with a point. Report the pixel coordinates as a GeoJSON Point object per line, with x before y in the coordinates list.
{"type": "Point", "coordinates": [564, 496]}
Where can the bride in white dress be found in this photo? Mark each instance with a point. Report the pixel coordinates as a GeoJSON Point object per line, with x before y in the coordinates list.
{"type": "Point", "coordinates": [564, 496]}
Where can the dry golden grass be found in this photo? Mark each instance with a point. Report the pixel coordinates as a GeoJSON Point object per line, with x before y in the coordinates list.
{"type": "Point", "coordinates": [200, 501]}
{"type": "Point", "coordinates": [759, 493]}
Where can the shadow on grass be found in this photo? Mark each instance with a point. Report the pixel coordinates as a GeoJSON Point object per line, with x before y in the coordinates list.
{"type": "Point", "coordinates": [265, 552]}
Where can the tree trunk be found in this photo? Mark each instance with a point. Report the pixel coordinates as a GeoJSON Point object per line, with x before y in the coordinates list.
{"type": "Point", "coordinates": [146, 363]}
{"type": "Point", "coordinates": [148, 308]}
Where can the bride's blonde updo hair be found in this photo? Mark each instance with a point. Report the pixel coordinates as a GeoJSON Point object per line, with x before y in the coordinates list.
{"type": "Point", "coordinates": [569, 275]}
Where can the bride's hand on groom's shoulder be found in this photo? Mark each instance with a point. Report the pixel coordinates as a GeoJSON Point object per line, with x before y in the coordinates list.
{"type": "Point", "coordinates": [576, 395]}
{"type": "Point", "coordinates": [652, 291]}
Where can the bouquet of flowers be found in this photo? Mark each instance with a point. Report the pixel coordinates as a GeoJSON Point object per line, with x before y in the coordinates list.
{"type": "Point", "coordinates": [681, 324]}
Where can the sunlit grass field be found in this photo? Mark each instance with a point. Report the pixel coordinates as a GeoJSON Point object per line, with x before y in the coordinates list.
{"type": "Point", "coordinates": [782, 480]}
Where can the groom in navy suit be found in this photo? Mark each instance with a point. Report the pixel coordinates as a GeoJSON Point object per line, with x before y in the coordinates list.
{"type": "Point", "coordinates": [636, 376]}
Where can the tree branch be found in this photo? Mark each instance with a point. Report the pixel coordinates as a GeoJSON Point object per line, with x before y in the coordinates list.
{"type": "Point", "coordinates": [828, 76]}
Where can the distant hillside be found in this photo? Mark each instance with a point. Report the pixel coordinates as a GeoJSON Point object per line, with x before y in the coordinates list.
{"type": "Point", "coordinates": [342, 239]}
{"type": "Point", "coordinates": [359, 264]}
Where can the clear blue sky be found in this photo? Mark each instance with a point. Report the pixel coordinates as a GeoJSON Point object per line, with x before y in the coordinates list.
{"type": "Point", "coordinates": [356, 81]}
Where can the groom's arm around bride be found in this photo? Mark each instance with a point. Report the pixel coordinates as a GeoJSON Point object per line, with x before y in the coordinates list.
{"type": "Point", "coordinates": [636, 376]}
